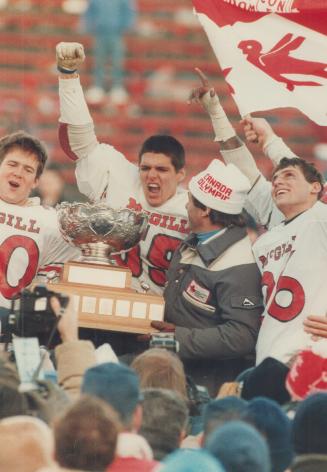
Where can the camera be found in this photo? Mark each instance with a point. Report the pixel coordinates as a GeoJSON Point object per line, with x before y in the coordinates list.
{"type": "Point", "coordinates": [164, 341]}
{"type": "Point", "coordinates": [31, 314]}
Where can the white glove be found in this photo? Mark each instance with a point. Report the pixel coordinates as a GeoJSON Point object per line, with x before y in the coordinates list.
{"type": "Point", "coordinates": [69, 57]}
{"type": "Point", "coordinates": [221, 125]}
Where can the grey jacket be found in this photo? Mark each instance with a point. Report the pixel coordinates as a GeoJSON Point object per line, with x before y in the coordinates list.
{"type": "Point", "coordinates": [213, 296]}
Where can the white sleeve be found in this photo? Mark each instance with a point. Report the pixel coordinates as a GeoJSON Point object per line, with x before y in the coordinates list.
{"type": "Point", "coordinates": [276, 149]}
{"type": "Point", "coordinates": [103, 172]}
{"type": "Point", "coordinates": [76, 129]}
{"type": "Point", "coordinates": [73, 107]}
{"type": "Point", "coordinates": [96, 164]}
{"type": "Point", "coordinates": [260, 205]}
{"type": "Point", "coordinates": [243, 159]}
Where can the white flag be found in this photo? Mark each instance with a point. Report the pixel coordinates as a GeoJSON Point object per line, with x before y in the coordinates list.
{"type": "Point", "coordinates": [273, 53]}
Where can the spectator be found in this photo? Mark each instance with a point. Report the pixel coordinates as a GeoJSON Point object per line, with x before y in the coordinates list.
{"type": "Point", "coordinates": [86, 435]}
{"type": "Point", "coordinates": [221, 411]}
{"type": "Point", "coordinates": [212, 299]}
{"type": "Point", "coordinates": [118, 385]}
{"type": "Point", "coordinates": [26, 444]}
{"type": "Point", "coordinates": [159, 368]}
{"type": "Point", "coordinates": [270, 420]}
{"type": "Point", "coordinates": [108, 21]}
{"type": "Point", "coordinates": [191, 461]}
{"type": "Point", "coordinates": [51, 187]}
{"type": "Point", "coordinates": [164, 422]}
{"type": "Point", "coordinates": [28, 230]}
{"type": "Point", "coordinates": [309, 434]}
{"type": "Point", "coordinates": [239, 447]}
{"type": "Point", "coordinates": [266, 380]}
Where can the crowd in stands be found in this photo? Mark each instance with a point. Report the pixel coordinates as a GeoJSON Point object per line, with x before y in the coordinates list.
{"type": "Point", "coordinates": [237, 393]}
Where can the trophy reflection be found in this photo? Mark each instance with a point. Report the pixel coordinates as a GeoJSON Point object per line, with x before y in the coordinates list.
{"type": "Point", "coordinates": [100, 289]}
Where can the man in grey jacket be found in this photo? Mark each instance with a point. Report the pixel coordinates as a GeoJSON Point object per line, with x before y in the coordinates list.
{"type": "Point", "coordinates": [213, 295]}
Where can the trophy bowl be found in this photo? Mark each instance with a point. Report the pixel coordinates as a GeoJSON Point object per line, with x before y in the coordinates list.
{"type": "Point", "coordinates": [100, 231]}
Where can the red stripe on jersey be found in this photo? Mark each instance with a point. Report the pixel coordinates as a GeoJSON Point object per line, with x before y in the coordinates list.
{"type": "Point", "coordinates": [64, 141]}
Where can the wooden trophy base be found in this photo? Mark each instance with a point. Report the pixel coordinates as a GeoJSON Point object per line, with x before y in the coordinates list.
{"type": "Point", "coordinates": [104, 299]}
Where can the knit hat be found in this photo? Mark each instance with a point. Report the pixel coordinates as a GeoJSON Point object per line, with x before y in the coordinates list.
{"type": "Point", "coordinates": [116, 384]}
{"type": "Point", "coordinates": [308, 373]}
{"type": "Point", "coordinates": [220, 187]}
{"type": "Point", "coordinates": [191, 460]}
{"type": "Point", "coordinates": [239, 447]}
{"type": "Point", "coordinates": [221, 410]}
{"type": "Point", "coordinates": [269, 418]}
{"type": "Point", "coordinates": [310, 425]}
{"type": "Point", "coordinates": [267, 380]}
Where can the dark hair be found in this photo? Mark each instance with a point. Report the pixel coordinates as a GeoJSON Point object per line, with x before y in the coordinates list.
{"type": "Point", "coordinates": [168, 145]}
{"type": "Point", "coordinates": [311, 174]}
{"type": "Point", "coordinates": [218, 218]}
{"type": "Point", "coordinates": [86, 435]}
{"type": "Point", "coordinates": [26, 142]}
{"type": "Point", "coordinates": [165, 418]}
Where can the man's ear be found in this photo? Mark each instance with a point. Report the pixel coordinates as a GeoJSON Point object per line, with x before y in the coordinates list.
{"type": "Point", "coordinates": [36, 183]}
{"type": "Point", "coordinates": [181, 175]}
{"type": "Point", "coordinates": [137, 418]}
{"type": "Point", "coordinates": [316, 187]}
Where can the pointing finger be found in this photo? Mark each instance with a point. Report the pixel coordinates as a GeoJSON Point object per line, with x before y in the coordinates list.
{"type": "Point", "coordinates": [203, 77]}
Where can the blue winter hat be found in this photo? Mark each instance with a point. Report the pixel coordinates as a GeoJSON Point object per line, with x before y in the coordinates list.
{"type": "Point", "coordinates": [310, 425]}
{"type": "Point", "coordinates": [191, 460]}
{"type": "Point", "coordinates": [267, 417]}
{"type": "Point", "coordinates": [116, 384]}
{"type": "Point", "coordinates": [239, 447]}
{"type": "Point", "coordinates": [221, 410]}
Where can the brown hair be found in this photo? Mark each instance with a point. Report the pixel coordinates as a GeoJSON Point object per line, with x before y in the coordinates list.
{"type": "Point", "coordinates": [86, 435]}
{"type": "Point", "coordinates": [25, 142]}
{"type": "Point", "coordinates": [159, 368]}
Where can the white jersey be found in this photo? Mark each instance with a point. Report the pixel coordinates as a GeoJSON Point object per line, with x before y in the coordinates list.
{"type": "Point", "coordinates": [260, 205]}
{"type": "Point", "coordinates": [105, 174]}
{"type": "Point", "coordinates": [292, 258]}
{"type": "Point", "coordinates": [29, 239]}
{"type": "Point", "coordinates": [121, 187]}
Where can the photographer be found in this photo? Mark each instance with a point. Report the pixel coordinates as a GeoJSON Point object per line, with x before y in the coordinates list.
{"type": "Point", "coordinates": [73, 357]}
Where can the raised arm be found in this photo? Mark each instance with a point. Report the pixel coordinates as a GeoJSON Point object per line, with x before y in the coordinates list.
{"type": "Point", "coordinates": [95, 162]}
{"type": "Point", "coordinates": [258, 130]}
{"type": "Point", "coordinates": [76, 130]}
{"type": "Point", "coordinates": [232, 148]}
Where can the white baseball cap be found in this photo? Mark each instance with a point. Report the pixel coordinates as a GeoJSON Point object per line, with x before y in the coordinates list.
{"type": "Point", "coordinates": [221, 187]}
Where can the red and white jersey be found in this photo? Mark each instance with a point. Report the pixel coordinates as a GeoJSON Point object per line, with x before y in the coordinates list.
{"type": "Point", "coordinates": [292, 258]}
{"type": "Point", "coordinates": [29, 239]}
{"type": "Point", "coordinates": [103, 173]}
{"type": "Point", "coordinates": [107, 174]}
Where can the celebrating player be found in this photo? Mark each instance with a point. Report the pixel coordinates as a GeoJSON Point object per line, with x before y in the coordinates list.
{"type": "Point", "coordinates": [104, 173]}
{"type": "Point", "coordinates": [30, 236]}
{"type": "Point", "coordinates": [290, 256]}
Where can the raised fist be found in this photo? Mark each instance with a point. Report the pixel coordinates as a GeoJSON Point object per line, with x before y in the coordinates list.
{"type": "Point", "coordinates": [69, 55]}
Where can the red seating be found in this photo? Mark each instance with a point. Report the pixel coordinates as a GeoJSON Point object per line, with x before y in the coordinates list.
{"type": "Point", "coordinates": [28, 78]}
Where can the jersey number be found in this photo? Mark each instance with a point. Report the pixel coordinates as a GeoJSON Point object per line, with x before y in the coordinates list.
{"type": "Point", "coordinates": [159, 256]}
{"type": "Point", "coordinates": [286, 284]}
{"type": "Point", "coordinates": [7, 248]}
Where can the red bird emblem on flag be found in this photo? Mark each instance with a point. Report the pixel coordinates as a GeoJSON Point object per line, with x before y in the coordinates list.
{"type": "Point", "coordinates": [277, 61]}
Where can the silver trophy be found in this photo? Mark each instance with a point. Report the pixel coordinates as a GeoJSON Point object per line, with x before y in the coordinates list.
{"type": "Point", "coordinates": [100, 231]}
